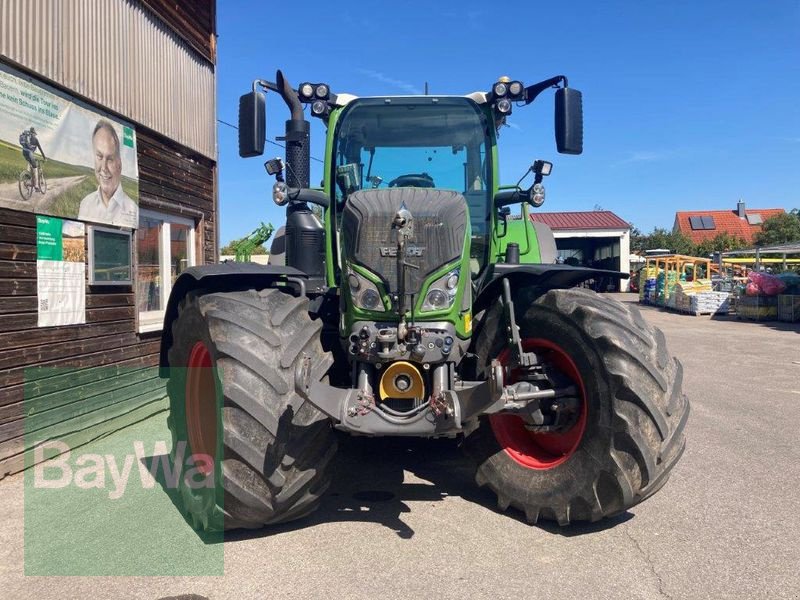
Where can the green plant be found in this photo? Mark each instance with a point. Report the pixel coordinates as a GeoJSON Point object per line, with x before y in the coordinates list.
{"type": "Point", "coordinates": [779, 229]}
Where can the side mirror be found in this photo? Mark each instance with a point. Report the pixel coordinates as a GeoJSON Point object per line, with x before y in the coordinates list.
{"type": "Point", "coordinates": [569, 121]}
{"type": "Point", "coordinates": [252, 124]}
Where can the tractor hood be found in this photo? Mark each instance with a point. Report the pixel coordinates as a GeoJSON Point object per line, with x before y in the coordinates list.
{"type": "Point", "coordinates": [370, 234]}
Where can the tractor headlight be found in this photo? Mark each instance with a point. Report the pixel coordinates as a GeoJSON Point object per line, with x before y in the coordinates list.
{"type": "Point", "coordinates": [442, 292]}
{"type": "Point", "coordinates": [500, 88]}
{"type": "Point", "coordinates": [364, 293]}
{"type": "Point", "coordinates": [371, 300]}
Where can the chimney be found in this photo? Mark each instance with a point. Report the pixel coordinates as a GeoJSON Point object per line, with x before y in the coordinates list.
{"type": "Point", "coordinates": [740, 209]}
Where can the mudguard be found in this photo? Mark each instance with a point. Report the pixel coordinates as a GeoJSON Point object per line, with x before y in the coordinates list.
{"type": "Point", "coordinates": [229, 276]}
{"type": "Point", "coordinates": [542, 276]}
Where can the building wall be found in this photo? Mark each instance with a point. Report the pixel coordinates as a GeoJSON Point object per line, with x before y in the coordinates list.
{"type": "Point", "coordinates": [131, 57]}
{"type": "Point", "coordinates": [599, 245]}
{"type": "Point", "coordinates": [74, 383]}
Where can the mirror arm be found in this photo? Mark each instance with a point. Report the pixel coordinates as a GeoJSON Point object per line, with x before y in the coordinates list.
{"type": "Point", "coordinates": [537, 88]}
{"type": "Point", "coordinates": [285, 91]}
{"type": "Point", "coordinates": [267, 85]}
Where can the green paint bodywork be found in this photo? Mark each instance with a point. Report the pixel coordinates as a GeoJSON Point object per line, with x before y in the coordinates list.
{"type": "Point", "coordinates": [520, 231]}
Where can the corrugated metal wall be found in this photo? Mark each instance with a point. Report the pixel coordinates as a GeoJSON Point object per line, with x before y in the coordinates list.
{"type": "Point", "coordinates": [116, 53]}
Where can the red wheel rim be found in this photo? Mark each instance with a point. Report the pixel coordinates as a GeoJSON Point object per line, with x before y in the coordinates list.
{"type": "Point", "coordinates": [541, 451]}
{"type": "Point", "coordinates": [201, 406]}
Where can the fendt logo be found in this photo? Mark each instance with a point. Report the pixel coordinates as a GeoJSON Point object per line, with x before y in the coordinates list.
{"type": "Point", "coordinates": [391, 252]}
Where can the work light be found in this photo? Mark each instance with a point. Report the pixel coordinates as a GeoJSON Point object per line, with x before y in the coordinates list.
{"type": "Point", "coordinates": [319, 107]}
{"type": "Point", "coordinates": [537, 197]}
{"type": "Point", "coordinates": [307, 91]}
{"type": "Point", "coordinates": [280, 193]}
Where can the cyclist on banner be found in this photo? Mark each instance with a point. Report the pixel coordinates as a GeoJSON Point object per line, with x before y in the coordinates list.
{"type": "Point", "coordinates": [30, 143]}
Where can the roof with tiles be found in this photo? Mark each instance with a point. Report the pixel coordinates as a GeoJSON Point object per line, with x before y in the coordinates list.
{"type": "Point", "coordinates": [724, 221]}
{"type": "Point", "coordinates": [593, 219]}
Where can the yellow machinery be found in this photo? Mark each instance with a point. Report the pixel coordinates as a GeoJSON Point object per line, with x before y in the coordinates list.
{"type": "Point", "coordinates": [664, 272]}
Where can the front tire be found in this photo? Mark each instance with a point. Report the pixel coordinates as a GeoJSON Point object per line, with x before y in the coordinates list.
{"type": "Point", "coordinates": [629, 432]}
{"type": "Point", "coordinates": [232, 397]}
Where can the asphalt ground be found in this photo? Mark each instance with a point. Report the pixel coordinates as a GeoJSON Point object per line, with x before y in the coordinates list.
{"type": "Point", "coordinates": [404, 518]}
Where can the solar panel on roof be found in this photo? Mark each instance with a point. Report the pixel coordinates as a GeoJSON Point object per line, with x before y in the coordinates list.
{"type": "Point", "coordinates": [708, 222]}
{"type": "Point", "coordinates": [696, 223]}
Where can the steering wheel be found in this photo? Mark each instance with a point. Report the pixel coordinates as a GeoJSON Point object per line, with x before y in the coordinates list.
{"type": "Point", "coordinates": [422, 180]}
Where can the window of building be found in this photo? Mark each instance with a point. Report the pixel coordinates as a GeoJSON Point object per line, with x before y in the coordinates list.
{"type": "Point", "coordinates": [754, 218]}
{"type": "Point", "coordinates": [165, 247]}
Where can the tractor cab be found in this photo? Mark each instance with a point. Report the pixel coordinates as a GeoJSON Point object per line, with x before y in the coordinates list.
{"type": "Point", "coordinates": [425, 142]}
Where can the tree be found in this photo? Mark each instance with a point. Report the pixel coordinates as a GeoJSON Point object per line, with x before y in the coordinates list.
{"type": "Point", "coordinates": [722, 242]}
{"type": "Point", "coordinates": [637, 238]}
{"type": "Point", "coordinates": [779, 229]}
{"type": "Point", "coordinates": [659, 238]}
{"type": "Point", "coordinates": [230, 248]}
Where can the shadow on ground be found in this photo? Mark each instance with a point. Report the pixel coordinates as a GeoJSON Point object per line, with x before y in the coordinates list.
{"type": "Point", "coordinates": [776, 325]}
{"type": "Point", "coordinates": [772, 324]}
{"type": "Point", "coordinates": [368, 486]}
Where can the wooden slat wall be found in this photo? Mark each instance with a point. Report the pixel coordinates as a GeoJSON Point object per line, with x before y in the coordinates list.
{"type": "Point", "coordinates": [172, 176]}
{"type": "Point", "coordinates": [80, 381]}
{"type": "Point", "coordinates": [194, 20]}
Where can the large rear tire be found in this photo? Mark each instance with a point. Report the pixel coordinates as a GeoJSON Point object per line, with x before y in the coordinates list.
{"type": "Point", "coordinates": [629, 430]}
{"type": "Point", "coordinates": [232, 397]}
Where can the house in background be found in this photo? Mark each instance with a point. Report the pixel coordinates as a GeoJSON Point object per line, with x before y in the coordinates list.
{"type": "Point", "coordinates": [597, 238]}
{"type": "Point", "coordinates": [702, 225]}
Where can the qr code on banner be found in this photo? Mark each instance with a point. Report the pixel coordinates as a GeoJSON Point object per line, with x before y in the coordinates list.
{"type": "Point", "coordinates": [44, 304]}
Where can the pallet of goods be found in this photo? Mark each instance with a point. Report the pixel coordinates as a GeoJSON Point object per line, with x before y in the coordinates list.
{"type": "Point", "coordinates": [647, 285]}
{"type": "Point", "coordinates": [702, 303]}
{"type": "Point", "coordinates": [757, 308]}
{"type": "Point", "coordinates": [789, 308]}
{"type": "Point", "coordinates": [664, 275]}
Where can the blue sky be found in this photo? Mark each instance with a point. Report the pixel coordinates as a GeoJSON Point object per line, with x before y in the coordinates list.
{"type": "Point", "coordinates": [687, 105]}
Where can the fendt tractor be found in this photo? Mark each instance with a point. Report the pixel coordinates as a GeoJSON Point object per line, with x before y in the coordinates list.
{"type": "Point", "coordinates": [417, 305]}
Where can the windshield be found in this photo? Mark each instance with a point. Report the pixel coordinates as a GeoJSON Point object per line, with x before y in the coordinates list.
{"type": "Point", "coordinates": [429, 142]}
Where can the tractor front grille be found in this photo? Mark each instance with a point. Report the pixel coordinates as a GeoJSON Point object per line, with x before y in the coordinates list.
{"type": "Point", "coordinates": [439, 224]}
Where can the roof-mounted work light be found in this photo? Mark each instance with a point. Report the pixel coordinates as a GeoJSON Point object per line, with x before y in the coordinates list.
{"type": "Point", "coordinates": [500, 88]}
{"type": "Point", "coordinates": [310, 91]}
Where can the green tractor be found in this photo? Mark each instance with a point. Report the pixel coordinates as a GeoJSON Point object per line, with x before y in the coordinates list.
{"type": "Point", "coordinates": [417, 306]}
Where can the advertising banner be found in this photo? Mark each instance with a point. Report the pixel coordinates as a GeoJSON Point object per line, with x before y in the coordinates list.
{"type": "Point", "coordinates": [60, 271]}
{"type": "Point", "coordinates": [60, 157]}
